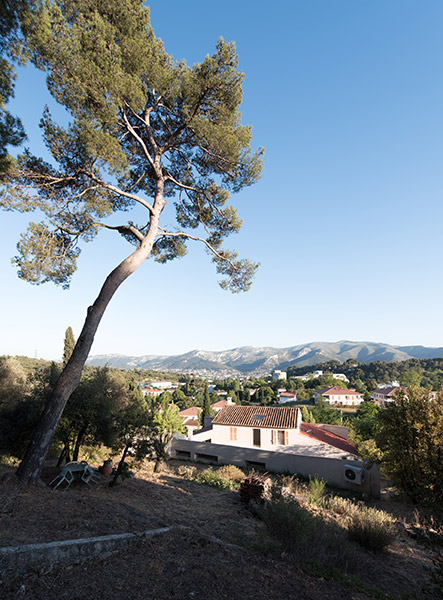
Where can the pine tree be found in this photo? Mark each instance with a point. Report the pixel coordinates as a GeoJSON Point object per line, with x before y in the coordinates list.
{"type": "Point", "coordinates": [143, 129]}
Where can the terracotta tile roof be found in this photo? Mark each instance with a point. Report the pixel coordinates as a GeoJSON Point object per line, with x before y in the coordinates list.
{"type": "Point", "coordinates": [336, 391]}
{"type": "Point", "coordinates": [327, 437]}
{"type": "Point", "coordinates": [260, 416]}
{"type": "Point", "coordinates": [220, 404]}
{"type": "Point", "coordinates": [389, 391]}
{"type": "Point", "coordinates": [192, 411]}
{"type": "Point", "coordinates": [287, 394]}
{"type": "Point", "coordinates": [192, 423]}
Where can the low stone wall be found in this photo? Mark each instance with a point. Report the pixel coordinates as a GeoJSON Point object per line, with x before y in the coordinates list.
{"type": "Point", "coordinates": [19, 559]}
{"type": "Point", "coordinates": [331, 470]}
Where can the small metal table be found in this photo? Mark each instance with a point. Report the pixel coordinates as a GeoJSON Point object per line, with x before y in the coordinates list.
{"type": "Point", "coordinates": [76, 470]}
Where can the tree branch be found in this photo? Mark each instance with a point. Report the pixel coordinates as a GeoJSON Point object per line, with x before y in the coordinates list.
{"type": "Point", "coordinates": [198, 239]}
{"type": "Point", "coordinates": [117, 190]}
{"type": "Point", "coordinates": [128, 229]}
{"type": "Point", "coordinates": [138, 138]}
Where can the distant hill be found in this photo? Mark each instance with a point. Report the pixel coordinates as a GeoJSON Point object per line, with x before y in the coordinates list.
{"type": "Point", "coordinates": [247, 360]}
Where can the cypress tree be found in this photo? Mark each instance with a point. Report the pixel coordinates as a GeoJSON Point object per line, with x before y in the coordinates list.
{"type": "Point", "coordinates": [69, 345]}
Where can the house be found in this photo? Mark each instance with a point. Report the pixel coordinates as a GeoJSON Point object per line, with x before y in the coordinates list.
{"type": "Point", "coordinates": [385, 395]}
{"type": "Point", "coordinates": [266, 427]}
{"type": "Point", "coordinates": [191, 419]}
{"type": "Point", "coordinates": [284, 396]}
{"type": "Point", "coordinates": [164, 385]}
{"type": "Point", "coordinates": [150, 392]}
{"type": "Point", "coordinates": [339, 396]}
{"type": "Point", "coordinates": [277, 374]}
{"type": "Point", "coordinates": [275, 429]}
{"type": "Point", "coordinates": [341, 377]}
{"type": "Point", "coordinates": [328, 437]}
{"type": "Point", "coordinates": [218, 406]}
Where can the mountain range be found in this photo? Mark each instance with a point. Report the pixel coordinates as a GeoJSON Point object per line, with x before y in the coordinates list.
{"type": "Point", "coordinates": [249, 361]}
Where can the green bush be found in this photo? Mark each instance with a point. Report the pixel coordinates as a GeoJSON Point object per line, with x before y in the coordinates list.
{"type": "Point", "coordinates": [373, 529]}
{"type": "Point", "coordinates": [211, 477]}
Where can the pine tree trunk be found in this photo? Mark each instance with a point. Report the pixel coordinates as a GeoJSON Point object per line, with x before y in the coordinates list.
{"type": "Point", "coordinates": [120, 466]}
{"type": "Point", "coordinates": [78, 442]}
{"type": "Point", "coordinates": [30, 468]}
{"type": "Point", "coordinates": [64, 454]}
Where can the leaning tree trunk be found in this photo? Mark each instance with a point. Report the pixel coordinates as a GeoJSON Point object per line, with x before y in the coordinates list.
{"type": "Point", "coordinates": [64, 454]}
{"type": "Point", "coordinates": [32, 463]}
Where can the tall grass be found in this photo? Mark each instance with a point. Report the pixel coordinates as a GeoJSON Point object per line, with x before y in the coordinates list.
{"type": "Point", "coordinates": [316, 490]}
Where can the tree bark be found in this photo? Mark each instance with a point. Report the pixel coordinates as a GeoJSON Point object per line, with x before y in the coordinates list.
{"type": "Point", "coordinates": [64, 454]}
{"type": "Point", "coordinates": [30, 468]}
{"type": "Point", "coordinates": [78, 442]}
{"type": "Point", "coordinates": [120, 466]}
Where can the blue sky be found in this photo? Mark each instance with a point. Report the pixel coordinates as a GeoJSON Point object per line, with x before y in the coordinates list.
{"type": "Point", "coordinates": [346, 97]}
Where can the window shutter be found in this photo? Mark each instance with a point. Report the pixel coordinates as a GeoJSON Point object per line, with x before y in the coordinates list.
{"type": "Point", "coordinates": [286, 438]}
{"type": "Point", "coordinates": [274, 433]}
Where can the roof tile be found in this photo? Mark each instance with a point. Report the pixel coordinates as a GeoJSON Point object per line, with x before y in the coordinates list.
{"type": "Point", "coordinates": [258, 416]}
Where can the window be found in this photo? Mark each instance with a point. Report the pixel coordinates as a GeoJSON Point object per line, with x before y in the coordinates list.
{"type": "Point", "coordinates": [280, 437]}
{"type": "Point", "coordinates": [256, 437]}
{"type": "Point", "coordinates": [233, 434]}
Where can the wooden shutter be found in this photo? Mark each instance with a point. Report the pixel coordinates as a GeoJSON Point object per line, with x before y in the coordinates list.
{"type": "Point", "coordinates": [274, 434]}
{"type": "Point", "coordinates": [286, 438]}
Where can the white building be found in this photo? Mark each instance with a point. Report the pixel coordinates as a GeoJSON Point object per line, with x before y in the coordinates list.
{"type": "Point", "coordinates": [191, 419]}
{"type": "Point", "coordinates": [272, 428]}
{"type": "Point", "coordinates": [284, 396]}
{"type": "Point", "coordinates": [277, 374]}
{"type": "Point", "coordinates": [339, 396]}
{"type": "Point", "coordinates": [386, 395]}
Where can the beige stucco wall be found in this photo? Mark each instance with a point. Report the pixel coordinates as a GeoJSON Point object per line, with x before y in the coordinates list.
{"type": "Point", "coordinates": [348, 400]}
{"type": "Point", "coordinates": [220, 434]}
{"type": "Point", "coordinates": [329, 469]}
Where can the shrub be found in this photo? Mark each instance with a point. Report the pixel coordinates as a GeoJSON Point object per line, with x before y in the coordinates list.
{"type": "Point", "coordinates": [211, 477]}
{"type": "Point", "coordinates": [306, 536]}
{"type": "Point", "coordinates": [316, 490]}
{"type": "Point", "coordinates": [232, 473]}
{"type": "Point", "coordinates": [186, 471]}
{"type": "Point", "coordinates": [341, 506]}
{"type": "Point", "coordinates": [286, 521]}
{"type": "Point", "coordinates": [289, 482]}
{"type": "Point", "coordinates": [373, 529]}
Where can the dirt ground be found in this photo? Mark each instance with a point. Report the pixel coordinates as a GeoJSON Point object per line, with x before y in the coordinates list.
{"type": "Point", "coordinates": [182, 563]}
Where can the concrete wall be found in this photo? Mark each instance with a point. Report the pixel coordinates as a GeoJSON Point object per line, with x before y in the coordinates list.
{"type": "Point", "coordinates": [19, 559]}
{"type": "Point", "coordinates": [329, 469]}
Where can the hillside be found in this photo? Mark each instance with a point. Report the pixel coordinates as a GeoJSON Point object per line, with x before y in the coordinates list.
{"type": "Point", "coordinates": [215, 549]}
{"type": "Point", "coordinates": [250, 361]}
